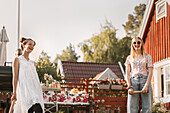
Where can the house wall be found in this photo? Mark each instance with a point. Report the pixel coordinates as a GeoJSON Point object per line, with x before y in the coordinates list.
{"type": "Point", "coordinates": [157, 37]}
{"type": "Point", "coordinates": [157, 44]}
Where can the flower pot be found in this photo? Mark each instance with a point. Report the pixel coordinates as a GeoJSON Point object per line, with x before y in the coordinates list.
{"type": "Point", "coordinates": [102, 86]}
{"type": "Point", "coordinates": [117, 87]}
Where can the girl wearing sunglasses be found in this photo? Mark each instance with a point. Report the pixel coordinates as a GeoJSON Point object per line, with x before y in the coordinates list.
{"type": "Point", "coordinates": [139, 74]}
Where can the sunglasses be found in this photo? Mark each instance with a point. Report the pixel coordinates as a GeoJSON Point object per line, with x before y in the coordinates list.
{"type": "Point", "coordinates": [138, 42]}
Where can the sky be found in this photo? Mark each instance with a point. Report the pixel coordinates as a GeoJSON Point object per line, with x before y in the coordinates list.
{"type": "Point", "coordinates": [54, 24]}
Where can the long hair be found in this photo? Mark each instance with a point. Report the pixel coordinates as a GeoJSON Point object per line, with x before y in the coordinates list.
{"type": "Point", "coordinates": [133, 51]}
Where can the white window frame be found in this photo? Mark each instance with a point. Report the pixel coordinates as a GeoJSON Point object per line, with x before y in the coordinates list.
{"type": "Point", "coordinates": [166, 69]}
{"type": "Point", "coordinates": [159, 4]}
{"type": "Point", "coordinates": [161, 68]}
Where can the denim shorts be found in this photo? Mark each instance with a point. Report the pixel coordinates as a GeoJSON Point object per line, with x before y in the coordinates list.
{"type": "Point", "coordinates": [138, 83]}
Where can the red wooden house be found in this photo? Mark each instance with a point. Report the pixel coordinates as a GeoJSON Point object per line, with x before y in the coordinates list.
{"type": "Point", "coordinates": [155, 32]}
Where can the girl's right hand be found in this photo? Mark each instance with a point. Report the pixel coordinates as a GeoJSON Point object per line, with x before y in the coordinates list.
{"type": "Point", "coordinates": [131, 91]}
{"type": "Point", "coordinates": [14, 97]}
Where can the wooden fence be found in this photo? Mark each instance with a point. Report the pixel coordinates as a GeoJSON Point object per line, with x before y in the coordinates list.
{"type": "Point", "coordinates": [106, 100]}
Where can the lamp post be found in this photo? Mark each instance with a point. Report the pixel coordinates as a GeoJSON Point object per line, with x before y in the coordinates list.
{"type": "Point", "coordinates": [18, 24]}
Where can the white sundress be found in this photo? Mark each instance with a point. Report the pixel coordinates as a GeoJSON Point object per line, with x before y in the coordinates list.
{"type": "Point", "coordinates": [29, 90]}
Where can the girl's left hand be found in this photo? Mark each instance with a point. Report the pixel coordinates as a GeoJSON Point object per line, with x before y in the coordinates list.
{"type": "Point", "coordinates": [145, 90]}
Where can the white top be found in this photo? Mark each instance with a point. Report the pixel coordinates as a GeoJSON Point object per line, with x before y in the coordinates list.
{"type": "Point", "coordinates": [139, 66]}
{"type": "Point", "coordinates": [29, 90]}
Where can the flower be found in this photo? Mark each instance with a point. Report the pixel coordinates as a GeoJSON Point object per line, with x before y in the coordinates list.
{"type": "Point", "coordinates": [86, 96]}
{"type": "Point", "coordinates": [45, 76]}
{"type": "Point", "coordinates": [44, 96]}
{"type": "Point", "coordinates": [50, 98]}
{"type": "Point", "coordinates": [98, 101]}
{"type": "Point", "coordinates": [3, 96]}
{"type": "Point", "coordinates": [54, 98]}
{"type": "Point", "coordinates": [119, 82]}
{"type": "Point", "coordinates": [48, 77]}
{"type": "Point", "coordinates": [62, 95]}
{"type": "Point", "coordinates": [105, 81]}
{"type": "Point", "coordinates": [48, 80]}
{"type": "Point", "coordinates": [102, 100]}
{"type": "Point", "coordinates": [85, 100]}
{"type": "Point", "coordinates": [74, 99]}
{"type": "Point", "coordinates": [61, 99]}
{"type": "Point", "coordinates": [90, 78]}
{"type": "Point", "coordinates": [68, 97]}
{"type": "Point", "coordinates": [51, 77]}
{"type": "Point", "coordinates": [78, 99]}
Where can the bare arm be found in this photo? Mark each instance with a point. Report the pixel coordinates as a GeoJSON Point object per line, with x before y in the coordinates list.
{"type": "Point", "coordinates": [130, 88]}
{"type": "Point", "coordinates": [128, 74]}
{"type": "Point", "coordinates": [15, 70]}
{"type": "Point", "coordinates": [145, 89]}
{"type": "Point", "coordinates": [150, 69]}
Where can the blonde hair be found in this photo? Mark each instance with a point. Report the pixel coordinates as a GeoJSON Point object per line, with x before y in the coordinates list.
{"type": "Point", "coordinates": [133, 51]}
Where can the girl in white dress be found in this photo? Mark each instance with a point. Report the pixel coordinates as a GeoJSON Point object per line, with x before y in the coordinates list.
{"type": "Point", "coordinates": [27, 90]}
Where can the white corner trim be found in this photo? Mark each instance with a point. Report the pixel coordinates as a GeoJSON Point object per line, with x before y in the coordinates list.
{"type": "Point", "coordinates": [162, 63]}
{"type": "Point", "coordinates": [145, 18]}
{"type": "Point", "coordinates": [60, 67]}
{"type": "Point", "coordinates": [121, 68]}
{"type": "Point", "coordinates": [168, 1]}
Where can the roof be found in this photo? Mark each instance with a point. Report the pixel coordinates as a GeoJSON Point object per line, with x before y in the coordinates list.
{"type": "Point", "coordinates": [87, 69]}
{"type": "Point", "coordinates": [147, 15]}
{"type": "Point", "coordinates": [6, 69]}
{"type": "Point", "coordinates": [5, 78]}
{"type": "Point", "coordinates": [107, 74]}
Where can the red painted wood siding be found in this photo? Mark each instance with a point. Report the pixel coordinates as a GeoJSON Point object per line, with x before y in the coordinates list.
{"type": "Point", "coordinates": [157, 37]}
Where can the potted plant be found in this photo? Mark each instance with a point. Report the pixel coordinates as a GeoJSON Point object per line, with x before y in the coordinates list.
{"type": "Point", "coordinates": [118, 84]}
{"type": "Point", "coordinates": [104, 84]}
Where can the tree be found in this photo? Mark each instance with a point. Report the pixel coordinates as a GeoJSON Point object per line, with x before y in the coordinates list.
{"type": "Point", "coordinates": [68, 55]}
{"type": "Point", "coordinates": [102, 47]}
{"type": "Point", "coordinates": [105, 47]}
{"type": "Point", "coordinates": [124, 49]}
{"type": "Point", "coordinates": [44, 65]}
{"type": "Point", "coordinates": [134, 21]}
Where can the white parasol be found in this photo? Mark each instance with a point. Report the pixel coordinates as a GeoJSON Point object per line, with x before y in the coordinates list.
{"type": "Point", "coordinates": [3, 41]}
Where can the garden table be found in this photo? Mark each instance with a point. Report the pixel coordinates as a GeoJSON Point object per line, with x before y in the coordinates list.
{"type": "Point", "coordinates": [51, 104]}
{"type": "Point", "coordinates": [67, 107]}
{"type": "Point", "coordinates": [71, 107]}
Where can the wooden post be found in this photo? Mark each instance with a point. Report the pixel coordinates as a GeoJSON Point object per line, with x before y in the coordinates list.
{"type": "Point", "coordinates": [93, 98]}
{"type": "Point", "coordinates": [87, 85]}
